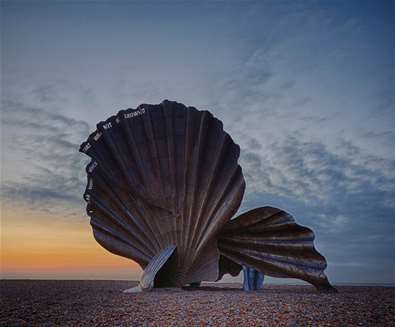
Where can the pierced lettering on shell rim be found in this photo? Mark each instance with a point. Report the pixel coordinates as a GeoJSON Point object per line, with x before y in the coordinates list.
{"type": "Point", "coordinates": [86, 147]}
{"type": "Point", "coordinates": [92, 166]}
{"type": "Point", "coordinates": [97, 136]}
{"type": "Point", "coordinates": [90, 184]}
{"type": "Point", "coordinates": [133, 114]}
{"type": "Point", "coordinates": [107, 125]}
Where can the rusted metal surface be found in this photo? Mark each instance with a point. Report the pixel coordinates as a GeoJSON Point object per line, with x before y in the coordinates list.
{"type": "Point", "coordinates": [168, 175]}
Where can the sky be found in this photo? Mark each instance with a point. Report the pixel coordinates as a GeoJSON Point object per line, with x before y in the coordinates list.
{"type": "Point", "coordinates": [306, 88]}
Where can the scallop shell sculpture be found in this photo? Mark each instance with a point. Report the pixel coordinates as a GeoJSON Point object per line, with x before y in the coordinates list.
{"type": "Point", "coordinates": [163, 185]}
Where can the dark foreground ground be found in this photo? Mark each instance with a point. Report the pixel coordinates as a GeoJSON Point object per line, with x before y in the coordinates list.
{"type": "Point", "coordinates": [101, 303]}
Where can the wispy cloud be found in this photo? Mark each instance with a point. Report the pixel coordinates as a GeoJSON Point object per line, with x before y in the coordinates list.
{"type": "Point", "coordinates": [42, 167]}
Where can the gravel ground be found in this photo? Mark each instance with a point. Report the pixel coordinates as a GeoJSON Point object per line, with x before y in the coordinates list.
{"type": "Point", "coordinates": [101, 303]}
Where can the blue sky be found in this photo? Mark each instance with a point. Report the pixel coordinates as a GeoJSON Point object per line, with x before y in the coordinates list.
{"type": "Point", "coordinates": [306, 88]}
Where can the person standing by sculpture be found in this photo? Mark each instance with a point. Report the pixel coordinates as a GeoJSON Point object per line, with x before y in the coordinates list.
{"type": "Point", "coordinates": [253, 279]}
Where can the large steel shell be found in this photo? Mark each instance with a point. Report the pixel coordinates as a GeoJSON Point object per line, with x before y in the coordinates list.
{"type": "Point", "coordinates": [161, 176]}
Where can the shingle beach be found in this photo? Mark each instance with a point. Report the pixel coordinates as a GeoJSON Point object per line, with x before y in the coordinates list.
{"type": "Point", "coordinates": [101, 303]}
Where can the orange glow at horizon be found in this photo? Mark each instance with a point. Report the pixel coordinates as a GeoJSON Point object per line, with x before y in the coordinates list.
{"type": "Point", "coordinates": [41, 245]}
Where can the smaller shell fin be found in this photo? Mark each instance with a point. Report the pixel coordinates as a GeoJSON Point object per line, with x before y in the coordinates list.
{"type": "Point", "coordinates": [269, 240]}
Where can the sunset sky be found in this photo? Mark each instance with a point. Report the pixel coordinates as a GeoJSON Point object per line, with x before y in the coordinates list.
{"type": "Point", "coordinates": [307, 89]}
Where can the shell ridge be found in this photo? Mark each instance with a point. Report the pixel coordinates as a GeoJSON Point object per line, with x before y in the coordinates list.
{"type": "Point", "coordinates": [123, 222]}
{"type": "Point", "coordinates": [273, 219]}
{"type": "Point", "coordinates": [115, 193]}
{"type": "Point", "coordinates": [230, 195]}
{"type": "Point", "coordinates": [155, 226]}
{"type": "Point", "coordinates": [267, 239]}
{"type": "Point", "coordinates": [158, 190]}
{"type": "Point", "coordinates": [109, 135]}
{"type": "Point", "coordinates": [194, 176]}
{"type": "Point", "coordinates": [95, 151]}
{"type": "Point", "coordinates": [262, 220]}
{"type": "Point", "coordinates": [154, 156]}
{"type": "Point", "coordinates": [125, 159]}
{"type": "Point", "coordinates": [115, 234]}
{"type": "Point", "coordinates": [133, 125]}
{"type": "Point", "coordinates": [142, 210]}
{"type": "Point", "coordinates": [126, 124]}
{"type": "Point", "coordinates": [171, 154]}
{"type": "Point", "coordinates": [253, 216]}
{"type": "Point", "coordinates": [150, 224]}
{"type": "Point", "coordinates": [161, 145]}
{"type": "Point", "coordinates": [292, 246]}
{"type": "Point", "coordinates": [108, 139]}
{"type": "Point", "coordinates": [180, 125]}
{"type": "Point", "coordinates": [106, 241]}
{"type": "Point", "coordinates": [277, 228]}
{"type": "Point", "coordinates": [218, 203]}
{"type": "Point", "coordinates": [153, 151]}
{"type": "Point", "coordinates": [188, 132]}
{"type": "Point", "coordinates": [192, 150]}
{"type": "Point", "coordinates": [164, 140]}
{"type": "Point", "coordinates": [224, 174]}
{"type": "Point", "coordinates": [118, 220]}
{"type": "Point", "coordinates": [212, 229]}
{"type": "Point", "coordinates": [283, 261]}
{"type": "Point", "coordinates": [224, 211]}
{"type": "Point", "coordinates": [206, 192]}
{"type": "Point", "coordinates": [153, 222]}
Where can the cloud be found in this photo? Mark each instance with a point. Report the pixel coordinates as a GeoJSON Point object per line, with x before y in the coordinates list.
{"type": "Point", "coordinates": [310, 172]}
{"type": "Point", "coordinates": [347, 198]}
{"type": "Point", "coordinates": [42, 168]}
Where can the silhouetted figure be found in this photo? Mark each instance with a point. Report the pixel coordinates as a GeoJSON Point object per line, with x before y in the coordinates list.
{"type": "Point", "coordinates": [253, 279]}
